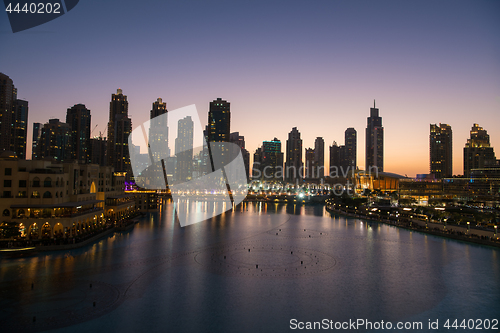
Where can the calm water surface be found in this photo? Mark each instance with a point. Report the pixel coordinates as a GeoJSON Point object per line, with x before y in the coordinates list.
{"type": "Point", "coordinates": [252, 269]}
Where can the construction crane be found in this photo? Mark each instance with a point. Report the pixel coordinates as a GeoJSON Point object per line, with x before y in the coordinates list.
{"type": "Point", "coordinates": [93, 129]}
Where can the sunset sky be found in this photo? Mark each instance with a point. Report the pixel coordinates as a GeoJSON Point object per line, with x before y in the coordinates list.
{"type": "Point", "coordinates": [314, 65]}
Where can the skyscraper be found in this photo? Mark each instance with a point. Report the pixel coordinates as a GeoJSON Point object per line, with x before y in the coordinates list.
{"type": "Point", "coordinates": [240, 141]}
{"type": "Point", "coordinates": [119, 128]}
{"type": "Point", "coordinates": [441, 150]}
{"type": "Point", "coordinates": [343, 159]}
{"type": "Point", "coordinates": [78, 118]}
{"type": "Point", "coordinates": [350, 160]}
{"type": "Point", "coordinates": [374, 141]}
{"type": "Point", "coordinates": [272, 160]}
{"type": "Point", "coordinates": [477, 150]}
{"type": "Point", "coordinates": [37, 132]}
{"type": "Point", "coordinates": [311, 170]}
{"type": "Point", "coordinates": [55, 141]}
{"type": "Point", "coordinates": [98, 150]}
{"type": "Point", "coordinates": [158, 130]}
{"type": "Point", "coordinates": [184, 149]}
{"type": "Point", "coordinates": [20, 128]}
{"type": "Point", "coordinates": [219, 121]}
{"type": "Point", "coordinates": [8, 94]}
{"type": "Point", "coordinates": [294, 165]}
{"type": "Point", "coordinates": [257, 164]}
{"type": "Point", "coordinates": [13, 118]}
{"type": "Point", "coordinates": [319, 158]}
{"type": "Point", "coordinates": [335, 161]}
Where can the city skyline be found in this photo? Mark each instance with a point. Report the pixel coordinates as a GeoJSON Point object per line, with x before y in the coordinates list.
{"type": "Point", "coordinates": [326, 153]}
{"type": "Point", "coordinates": [316, 67]}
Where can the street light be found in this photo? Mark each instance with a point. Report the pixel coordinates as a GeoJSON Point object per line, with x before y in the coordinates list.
{"type": "Point", "coordinates": [468, 226]}
{"type": "Point", "coordinates": [495, 230]}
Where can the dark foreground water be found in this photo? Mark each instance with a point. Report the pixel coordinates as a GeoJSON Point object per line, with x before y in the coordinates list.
{"type": "Point", "coordinates": [251, 270]}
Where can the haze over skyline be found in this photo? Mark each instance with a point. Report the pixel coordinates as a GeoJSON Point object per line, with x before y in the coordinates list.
{"type": "Point", "coordinates": [316, 66]}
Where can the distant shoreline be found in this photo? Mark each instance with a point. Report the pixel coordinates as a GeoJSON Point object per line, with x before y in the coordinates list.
{"type": "Point", "coordinates": [415, 226]}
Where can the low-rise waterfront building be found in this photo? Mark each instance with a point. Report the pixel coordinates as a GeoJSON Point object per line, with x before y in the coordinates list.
{"type": "Point", "coordinates": [50, 199]}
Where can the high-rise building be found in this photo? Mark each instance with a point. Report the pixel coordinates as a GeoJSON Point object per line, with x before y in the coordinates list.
{"type": "Point", "coordinates": [20, 128]}
{"type": "Point", "coordinates": [257, 164]}
{"type": "Point", "coordinates": [335, 161]}
{"type": "Point", "coordinates": [441, 150]}
{"type": "Point", "coordinates": [374, 141]}
{"type": "Point", "coordinates": [78, 118]}
{"type": "Point", "coordinates": [184, 149]}
{"type": "Point", "coordinates": [55, 141]}
{"type": "Point", "coordinates": [119, 128]}
{"type": "Point", "coordinates": [343, 159]}
{"type": "Point", "coordinates": [237, 139]}
{"type": "Point", "coordinates": [350, 160]}
{"type": "Point", "coordinates": [311, 169]}
{"type": "Point", "coordinates": [158, 130]}
{"type": "Point", "coordinates": [13, 118]}
{"type": "Point", "coordinates": [272, 160]}
{"type": "Point", "coordinates": [319, 158]}
{"type": "Point", "coordinates": [37, 132]}
{"type": "Point", "coordinates": [477, 151]}
{"type": "Point", "coordinates": [219, 121]}
{"type": "Point", "coordinates": [8, 94]}
{"type": "Point", "coordinates": [294, 165]}
{"type": "Point", "coordinates": [98, 150]}
{"type": "Point", "coordinates": [240, 142]}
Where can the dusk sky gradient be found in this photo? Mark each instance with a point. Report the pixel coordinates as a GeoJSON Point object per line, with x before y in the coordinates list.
{"type": "Point", "coordinates": [314, 65]}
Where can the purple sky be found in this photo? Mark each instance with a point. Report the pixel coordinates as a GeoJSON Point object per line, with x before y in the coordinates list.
{"type": "Point", "coordinates": [315, 65]}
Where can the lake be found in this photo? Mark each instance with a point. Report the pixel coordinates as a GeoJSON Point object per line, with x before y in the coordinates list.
{"type": "Point", "coordinates": [253, 269]}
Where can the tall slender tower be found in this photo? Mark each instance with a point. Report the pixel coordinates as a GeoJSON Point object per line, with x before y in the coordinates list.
{"type": "Point", "coordinates": [441, 150]}
{"type": "Point", "coordinates": [350, 160]}
{"type": "Point", "coordinates": [310, 169]}
{"type": "Point", "coordinates": [219, 121]}
{"type": "Point", "coordinates": [78, 118]}
{"type": "Point", "coordinates": [374, 141]}
{"type": "Point", "coordinates": [20, 128]}
{"type": "Point", "coordinates": [335, 161]}
{"type": "Point", "coordinates": [8, 94]}
{"type": "Point", "coordinates": [319, 158]}
{"type": "Point", "coordinates": [37, 133]}
{"type": "Point", "coordinates": [119, 128]}
{"type": "Point", "coordinates": [294, 165]}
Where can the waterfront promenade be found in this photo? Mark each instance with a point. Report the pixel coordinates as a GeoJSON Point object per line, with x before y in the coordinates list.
{"type": "Point", "coordinates": [453, 231]}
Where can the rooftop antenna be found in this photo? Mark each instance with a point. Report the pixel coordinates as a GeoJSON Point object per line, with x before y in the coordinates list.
{"type": "Point", "coordinates": [374, 104]}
